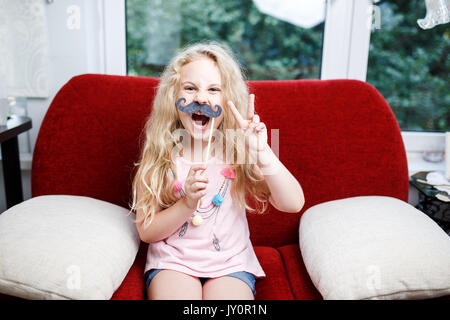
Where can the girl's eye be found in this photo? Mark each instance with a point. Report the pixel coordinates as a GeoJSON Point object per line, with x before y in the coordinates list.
{"type": "Point", "coordinates": [214, 89]}
{"type": "Point", "coordinates": [189, 88]}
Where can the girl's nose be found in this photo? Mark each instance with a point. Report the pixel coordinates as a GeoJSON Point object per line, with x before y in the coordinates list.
{"type": "Point", "coordinates": [201, 98]}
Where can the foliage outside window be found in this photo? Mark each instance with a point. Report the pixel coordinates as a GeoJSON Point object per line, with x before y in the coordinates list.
{"type": "Point", "coordinates": [410, 66]}
{"type": "Point", "coordinates": [268, 48]}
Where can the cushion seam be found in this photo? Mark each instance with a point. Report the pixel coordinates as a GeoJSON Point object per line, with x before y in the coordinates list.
{"type": "Point", "coordinates": [28, 286]}
{"type": "Point", "coordinates": [406, 291]}
{"type": "Point", "coordinates": [286, 271]}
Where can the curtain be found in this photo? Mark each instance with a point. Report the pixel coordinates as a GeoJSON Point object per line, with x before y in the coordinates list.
{"type": "Point", "coordinates": [24, 47]}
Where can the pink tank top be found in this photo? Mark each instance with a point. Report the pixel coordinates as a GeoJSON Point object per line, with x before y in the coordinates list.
{"type": "Point", "coordinates": [217, 247]}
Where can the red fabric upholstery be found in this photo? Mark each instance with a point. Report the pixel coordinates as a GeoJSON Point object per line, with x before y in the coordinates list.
{"type": "Point", "coordinates": [302, 287]}
{"type": "Point", "coordinates": [89, 138]}
{"type": "Point", "coordinates": [339, 138]}
{"type": "Point", "coordinates": [275, 286]}
{"type": "Point", "coordinates": [133, 286]}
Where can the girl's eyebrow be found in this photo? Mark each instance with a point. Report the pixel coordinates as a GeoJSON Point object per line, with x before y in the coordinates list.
{"type": "Point", "coordinates": [192, 83]}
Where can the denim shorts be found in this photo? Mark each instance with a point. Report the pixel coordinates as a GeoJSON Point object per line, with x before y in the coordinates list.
{"type": "Point", "coordinates": [247, 277]}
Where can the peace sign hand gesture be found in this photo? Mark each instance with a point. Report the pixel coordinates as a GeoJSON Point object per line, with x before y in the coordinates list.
{"type": "Point", "coordinates": [255, 132]}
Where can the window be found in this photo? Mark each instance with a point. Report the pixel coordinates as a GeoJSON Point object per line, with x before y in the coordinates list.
{"type": "Point", "coordinates": [269, 48]}
{"type": "Point", "coordinates": [410, 66]}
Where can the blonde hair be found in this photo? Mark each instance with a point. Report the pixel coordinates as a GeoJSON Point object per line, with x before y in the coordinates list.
{"type": "Point", "coordinates": [152, 177]}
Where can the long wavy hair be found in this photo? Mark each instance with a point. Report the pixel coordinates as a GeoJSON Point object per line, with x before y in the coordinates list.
{"type": "Point", "coordinates": [152, 177]}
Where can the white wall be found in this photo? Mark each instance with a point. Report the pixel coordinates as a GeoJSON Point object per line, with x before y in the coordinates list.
{"type": "Point", "coordinates": [78, 44]}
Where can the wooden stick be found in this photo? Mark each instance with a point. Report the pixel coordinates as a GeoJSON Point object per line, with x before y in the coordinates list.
{"type": "Point", "coordinates": [207, 151]}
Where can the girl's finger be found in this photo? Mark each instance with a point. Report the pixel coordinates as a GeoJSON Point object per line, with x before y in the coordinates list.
{"type": "Point", "coordinates": [196, 186]}
{"type": "Point", "coordinates": [200, 178]}
{"type": "Point", "coordinates": [199, 194]}
{"type": "Point", "coordinates": [260, 126]}
{"type": "Point", "coordinates": [251, 106]}
{"type": "Point", "coordinates": [241, 122]}
{"type": "Point", "coordinates": [193, 170]}
{"type": "Point", "coordinates": [250, 129]}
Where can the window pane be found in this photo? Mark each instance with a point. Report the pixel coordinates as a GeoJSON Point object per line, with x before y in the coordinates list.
{"type": "Point", "coordinates": [410, 66]}
{"type": "Point", "coordinates": [267, 47]}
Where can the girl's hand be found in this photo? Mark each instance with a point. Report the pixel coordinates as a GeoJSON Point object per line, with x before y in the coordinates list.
{"type": "Point", "coordinates": [195, 186]}
{"type": "Point", "coordinates": [254, 130]}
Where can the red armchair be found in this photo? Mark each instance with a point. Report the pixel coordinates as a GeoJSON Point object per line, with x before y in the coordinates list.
{"type": "Point", "coordinates": [339, 138]}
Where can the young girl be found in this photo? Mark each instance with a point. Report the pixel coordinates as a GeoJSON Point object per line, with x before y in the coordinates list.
{"type": "Point", "coordinates": [193, 215]}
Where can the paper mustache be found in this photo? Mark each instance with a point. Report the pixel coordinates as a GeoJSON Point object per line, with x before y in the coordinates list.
{"type": "Point", "coordinates": [206, 109]}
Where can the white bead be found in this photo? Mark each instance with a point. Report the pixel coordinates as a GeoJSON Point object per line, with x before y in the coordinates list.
{"type": "Point", "coordinates": [197, 220]}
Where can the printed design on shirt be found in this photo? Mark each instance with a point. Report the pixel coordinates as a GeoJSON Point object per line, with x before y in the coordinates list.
{"type": "Point", "coordinates": [183, 229]}
{"type": "Point", "coordinates": [216, 243]}
{"type": "Point", "coordinates": [212, 209]}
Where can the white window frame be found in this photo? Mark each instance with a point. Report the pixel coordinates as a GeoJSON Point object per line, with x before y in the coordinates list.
{"type": "Point", "coordinates": [113, 49]}
{"type": "Point", "coordinates": [346, 39]}
{"type": "Point", "coordinates": [345, 56]}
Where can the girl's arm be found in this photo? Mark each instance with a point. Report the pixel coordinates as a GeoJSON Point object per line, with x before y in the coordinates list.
{"type": "Point", "coordinates": [286, 192]}
{"type": "Point", "coordinates": [165, 222]}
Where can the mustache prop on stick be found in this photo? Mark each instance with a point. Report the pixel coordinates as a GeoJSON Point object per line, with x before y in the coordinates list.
{"type": "Point", "coordinates": [193, 107]}
{"type": "Point", "coordinates": [209, 111]}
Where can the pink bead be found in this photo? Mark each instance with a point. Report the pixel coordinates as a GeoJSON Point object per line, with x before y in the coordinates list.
{"type": "Point", "coordinates": [228, 173]}
{"type": "Point", "coordinates": [178, 186]}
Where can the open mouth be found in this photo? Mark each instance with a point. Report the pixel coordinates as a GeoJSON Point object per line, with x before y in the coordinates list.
{"type": "Point", "coordinates": [200, 121]}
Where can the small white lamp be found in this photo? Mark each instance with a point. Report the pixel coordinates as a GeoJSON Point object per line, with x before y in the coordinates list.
{"type": "Point", "coordinates": [438, 12]}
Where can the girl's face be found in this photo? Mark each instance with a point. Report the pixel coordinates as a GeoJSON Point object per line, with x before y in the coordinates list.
{"type": "Point", "coordinates": [201, 82]}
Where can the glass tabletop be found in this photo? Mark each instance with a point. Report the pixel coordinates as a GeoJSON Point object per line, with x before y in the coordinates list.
{"type": "Point", "coordinates": [426, 189]}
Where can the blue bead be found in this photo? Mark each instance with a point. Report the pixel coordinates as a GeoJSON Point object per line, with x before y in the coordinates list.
{"type": "Point", "coordinates": [217, 200]}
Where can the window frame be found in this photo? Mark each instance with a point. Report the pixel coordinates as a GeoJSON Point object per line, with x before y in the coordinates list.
{"type": "Point", "coordinates": [346, 55]}
{"type": "Point", "coordinates": [113, 48]}
{"type": "Point", "coordinates": [346, 39]}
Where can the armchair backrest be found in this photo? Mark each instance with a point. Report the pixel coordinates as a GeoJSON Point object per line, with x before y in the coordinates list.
{"type": "Point", "coordinates": [339, 138]}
